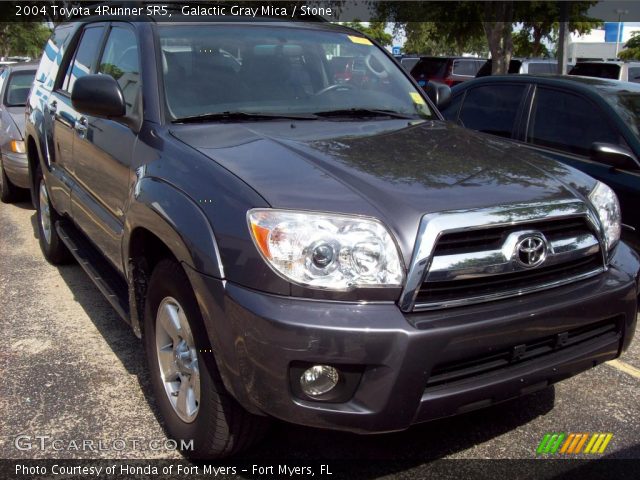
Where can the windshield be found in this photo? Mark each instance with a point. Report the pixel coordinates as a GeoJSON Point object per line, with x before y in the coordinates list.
{"type": "Point", "coordinates": [210, 69]}
{"type": "Point", "coordinates": [627, 105]}
{"type": "Point", "coordinates": [18, 88]}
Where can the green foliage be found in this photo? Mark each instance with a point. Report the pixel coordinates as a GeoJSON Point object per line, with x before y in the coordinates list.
{"type": "Point", "coordinates": [524, 46]}
{"type": "Point", "coordinates": [478, 27]}
{"type": "Point", "coordinates": [632, 48]}
{"type": "Point", "coordinates": [22, 38]}
{"type": "Point", "coordinates": [542, 23]}
{"type": "Point", "coordinates": [375, 30]}
{"type": "Point", "coordinates": [429, 38]}
{"type": "Point", "coordinates": [111, 69]}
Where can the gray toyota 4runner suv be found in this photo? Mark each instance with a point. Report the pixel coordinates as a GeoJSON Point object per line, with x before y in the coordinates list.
{"type": "Point", "coordinates": [289, 243]}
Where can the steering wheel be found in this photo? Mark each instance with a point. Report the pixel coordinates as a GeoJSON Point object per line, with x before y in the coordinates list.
{"type": "Point", "coordinates": [335, 86]}
{"type": "Point", "coordinates": [376, 73]}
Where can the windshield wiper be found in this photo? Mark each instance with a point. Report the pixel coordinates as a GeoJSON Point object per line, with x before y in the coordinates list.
{"type": "Point", "coordinates": [363, 112]}
{"type": "Point", "coordinates": [205, 117]}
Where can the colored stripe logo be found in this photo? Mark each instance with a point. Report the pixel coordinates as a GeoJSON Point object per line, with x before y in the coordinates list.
{"type": "Point", "coordinates": [573, 443]}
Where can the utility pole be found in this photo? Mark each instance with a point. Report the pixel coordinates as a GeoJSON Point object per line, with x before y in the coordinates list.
{"type": "Point", "coordinates": [620, 12]}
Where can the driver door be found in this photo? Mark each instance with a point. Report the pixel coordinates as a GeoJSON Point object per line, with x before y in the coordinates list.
{"type": "Point", "coordinates": [103, 149]}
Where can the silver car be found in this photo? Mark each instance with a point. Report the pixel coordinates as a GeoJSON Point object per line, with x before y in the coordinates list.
{"type": "Point", "coordinates": [625, 71]}
{"type": "Point", "coordinates": [15, 83]}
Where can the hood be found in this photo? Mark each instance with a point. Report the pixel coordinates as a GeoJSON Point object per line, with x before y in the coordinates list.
{"type": "Point", "coordinates": [17, 115]}
{"type": "Point", "coordinates": [393, 170]}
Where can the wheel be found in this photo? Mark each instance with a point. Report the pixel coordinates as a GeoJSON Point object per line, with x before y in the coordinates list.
{"type": "Point", "coordinates": [51, 245]}
{"type": "Point", "coordinates": [189, 391]}
{"type": "Point", "coordinates": [8, 191]}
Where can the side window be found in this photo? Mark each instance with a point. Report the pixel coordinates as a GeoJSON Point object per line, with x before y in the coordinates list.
{"type": "Point", "coordinates": [450, 113]}
{"type": "Point", "coordinates": [3, 77]}
{"type": "Point", "coordinates": [577, 123]}
{"type": "Point", "coordinates": [120, 60]}
{"type": "Point", "coordinates": [52, 56]}
{"type": "Point", "coordinates": [492, 108]}
{"type": "Point", "coordinates": [84, 57]}
{"type": "Point", "coordinates": [535, 68]}
{"type": "Point", "coordinates": [465, 67]}
{"type": "Point", "coordinates": [634, 74]}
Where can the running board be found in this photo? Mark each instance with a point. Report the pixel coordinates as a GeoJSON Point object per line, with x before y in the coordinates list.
{"type": "Point", "coordinates": [106, 278]}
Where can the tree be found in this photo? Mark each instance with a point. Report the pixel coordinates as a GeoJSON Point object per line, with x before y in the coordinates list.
{"type": "Point", "coordinates": [631, 48]}
{"type": "Point", "coordinates": [540, 21]}
{"type": "Point", "coordinates": [23, 38]}
{"type": "Point", "coordinates": [457, 25]}
{"type": "Point", "coordinates": [375, 30]}
{"type": "Point", "coordinates": [524, 46]}
{"type": "Point", "coordinates": [498, 25]}
{"type": "Point", "coordinates": [428, 38]}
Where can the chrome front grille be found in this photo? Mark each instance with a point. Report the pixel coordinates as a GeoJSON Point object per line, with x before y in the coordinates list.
{"type": "Point", "coordinates": [474, 256]}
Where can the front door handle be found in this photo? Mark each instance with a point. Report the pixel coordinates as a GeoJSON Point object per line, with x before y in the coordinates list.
{"type": "Point", "coordinates": [53, 107]}
{"type": "Point", "coordinates": [81, 126]}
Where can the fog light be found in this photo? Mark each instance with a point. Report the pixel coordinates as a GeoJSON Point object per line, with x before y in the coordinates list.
{"type": "Point", "coordinates": [319, 379]}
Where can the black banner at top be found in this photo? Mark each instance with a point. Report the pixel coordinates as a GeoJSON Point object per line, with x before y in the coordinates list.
{"type": "Point", "coordinates": [319, 10]}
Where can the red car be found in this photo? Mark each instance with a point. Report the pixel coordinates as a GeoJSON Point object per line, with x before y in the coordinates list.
{"type": "Point", "coordinates": [448, 70]}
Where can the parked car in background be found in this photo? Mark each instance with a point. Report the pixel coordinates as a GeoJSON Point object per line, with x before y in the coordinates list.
{"type": "Point", "coordinates": [448, 70]}
{"type": "Point", "coordinates": [591, 124]}
{"type": "Point", "coordinates": [625, 71]}
{"type": "Point", "coordinates": [523, 65]}
{"type": "Point", "coordinates": [15, 83]}
{"type": "Point", "coordinates": [408, 61]}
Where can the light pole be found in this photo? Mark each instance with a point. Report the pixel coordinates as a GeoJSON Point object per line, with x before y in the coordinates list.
{"type": "Point", "coordinates": [620, 12]}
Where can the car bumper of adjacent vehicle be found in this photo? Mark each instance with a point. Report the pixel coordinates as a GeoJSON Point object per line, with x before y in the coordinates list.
{"type": "Point", "coordinates": [16, 166]}
{"type": "Point", "coordinates": [408, 368]}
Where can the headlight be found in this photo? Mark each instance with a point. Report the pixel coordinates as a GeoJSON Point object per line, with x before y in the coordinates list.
{"type": "Point", "coordinates": [330, 251]}
{"type": "Point", "coordinates": [606, 204]}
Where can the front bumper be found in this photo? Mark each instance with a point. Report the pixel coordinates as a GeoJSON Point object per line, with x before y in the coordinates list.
{"type": "Point", "coordinates": [16, 166]}
{"type": "Point", "coordinates": [257, 338]}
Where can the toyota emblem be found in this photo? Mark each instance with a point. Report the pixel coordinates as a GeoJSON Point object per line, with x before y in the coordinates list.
{"type": "Point", "coordinates": [531, 250]}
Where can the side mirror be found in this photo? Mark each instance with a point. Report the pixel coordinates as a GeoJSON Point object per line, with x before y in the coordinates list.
{"type": "Point", "coordinates": [614, 156]}
{"type": "Point", "coordinates": [98, 96]}
{"type": "Point", "coordinates": [438, 93]}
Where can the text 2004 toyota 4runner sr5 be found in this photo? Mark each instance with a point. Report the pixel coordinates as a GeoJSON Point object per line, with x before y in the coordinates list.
{"type": "Point", "coordinates": [295, 242]}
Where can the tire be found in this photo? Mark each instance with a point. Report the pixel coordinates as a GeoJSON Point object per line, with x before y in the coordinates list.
{"type": "Point", "coordinates": [189, 391]}
{"type": "Point", "coordinates": [54, 250]}
{"type": "Point", "coordinates": [8, 191]}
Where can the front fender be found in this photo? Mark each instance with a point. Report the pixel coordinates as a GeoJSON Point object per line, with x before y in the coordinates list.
{"type": "Point", "coordinates": [178, 221]}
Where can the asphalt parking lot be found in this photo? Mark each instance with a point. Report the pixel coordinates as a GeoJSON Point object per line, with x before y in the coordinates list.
{"type": "Point", "coordinates": [71, 369]}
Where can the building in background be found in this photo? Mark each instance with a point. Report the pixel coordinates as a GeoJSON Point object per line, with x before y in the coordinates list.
{"type": "Point", "coordinates": [601, 44]}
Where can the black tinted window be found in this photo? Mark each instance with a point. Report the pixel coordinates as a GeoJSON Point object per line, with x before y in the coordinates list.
{"type": "Point", "coordinates": [409, 63]}
{"type": "Point", "coordinates": [450, 112]}
{"type": "Point", "coordinates": [542, 67]}
{"type": "Point", "coordinates": [84, 58]}
{"type": "Point", "coordinates": [466, 67]}
{"type": "Point", "coordinates": [600, 70]}
{"type": "Point", "coordinates": [634, 74]}
{"type": "Point", "coordinates": [120, 60]}
{"type": "Point", "coordinates": [568, 122]}
{"type": "Point", "coordinates": [492, 108]}
{"type": "Point", "coordinates": [430, 67]}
